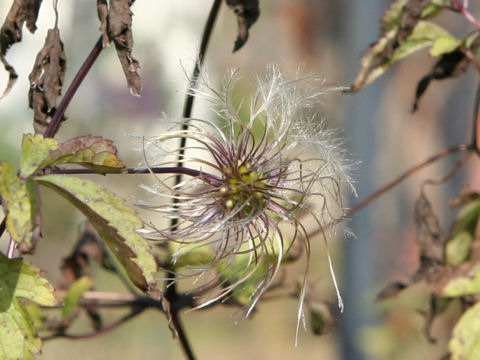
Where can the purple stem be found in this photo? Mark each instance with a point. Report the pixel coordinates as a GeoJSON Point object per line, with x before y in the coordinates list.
{"type": "Point", "coordinates": [76, 82]}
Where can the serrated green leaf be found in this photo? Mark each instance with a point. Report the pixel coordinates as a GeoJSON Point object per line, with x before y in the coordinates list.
{"type": "Point", "coordinates": [458, 248]}
{"type": "Point", "coordinates": [444, 44]}
{"type": "Point", "coordinates": [461, 286]}
{"type": "Point", "coordinates": [114, 221]}
{"type": "Point", "coordinates": [381, 57]}
{"type": "Point", "coordinates": [35, 149]}
{"type": "Point", "coordinates": [20, 279]}
{"type": "Point", "coordinates": [74, 294]}
{"type": "Point", "coordinates": [93, 152]}
{"type": "Point", "coordinates": [465, 342]}
{"type": "Point", "coordinates": [424, 34]}
{"type": "Point", "coordinates": [21, 204]}
{"type": "Point", "coordinates": [17, 334]}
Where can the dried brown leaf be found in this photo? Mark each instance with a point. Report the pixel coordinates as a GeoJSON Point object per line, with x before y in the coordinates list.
{"type": "Point", "coordinates": [46, 80]}
{"type": "Point", "coordinates": [247, 12]}
{"type": "Point", "coordinates": [392, 37]}
{"type": "Point", "coordinates": [430, 237]}
{"type": "Point", "coordinates": [21, 12]}
{"type": "Point", "coordinates": [102, 11]}
{"type": "Point", "coordinates": [116, 26]}
{"type": "Point", "coordinates": [449, 65]}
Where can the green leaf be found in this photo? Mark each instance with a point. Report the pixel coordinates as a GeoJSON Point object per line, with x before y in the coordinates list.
{"type": "Point", "coordinates": [465, 342]}
{"type": "Point", "coordinates": [17, 334]}
{"type": "Point", "coordinates": [393, 16]}
{"type": "Point", "coordinates": [21, 204]}
{"type": "Point", "coordinates": [458, 248]}
{"type": "Point", "coordinates": [467, 218]}
{"type": "Point", "coordinates": [444, 44]}
{"type": "Point", "coordinates": [461, 286]}
{"type": "Point", "coordinates": [114, 221]}
{"type": "Point", "coordinates": [35, 149]}
{"type": "Point", "coordinates": [74, 294]}
{"type": "Point", "coordinates": [92, 152]}
{"type": "Point", "coordinates": [383, 54]}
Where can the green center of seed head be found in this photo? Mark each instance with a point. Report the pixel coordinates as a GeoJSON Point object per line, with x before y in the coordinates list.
{"type": "Point", "coordinates": [243, 191]}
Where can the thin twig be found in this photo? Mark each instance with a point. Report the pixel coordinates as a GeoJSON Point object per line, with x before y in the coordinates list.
{"type": "Point", "coordinates": [406, 174]}
{"type": "Point", "coordinates": [208, 178]}
{"type": "Point", "coordinates": [466, 14]}
{"type": "Point", "coordinates": [387, 187]}
{"type": "Point", "coordinates": [136, 311]}
{"type": "Point", "coordinates": [470, 56]}
{"type": "Point", "coordinates": [12, 247]}
{"type": "Point", "coordinates": [171, 292]}
{"type": "Point", "coordinates": [76, 82]}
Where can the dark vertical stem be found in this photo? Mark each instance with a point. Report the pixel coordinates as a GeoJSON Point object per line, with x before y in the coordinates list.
{"type": "Point", "coordinates": [476, 122]}
{"type": "Point", "coordinates": [171, 292]}
{"type": "Point", "coordinates": [76, 82]}
{"type": "Point", "coordinates": [3, 225]}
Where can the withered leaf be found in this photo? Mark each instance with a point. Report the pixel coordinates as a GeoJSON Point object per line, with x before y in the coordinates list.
{"type": "Point", "coordinates": [398, 25]}
{"type": "Point", "coordinates": [430, 237]}
{"type": "Point", "coordinates": [21, 12]}
{"type": "Point", "coordinates": [46, 80]}
{"type": "Point", "coordinates": [449, 65]}
{"type": "Point", "coordinates": [116, 25]}
{"type": "Point", "coordinates": [247, 12]}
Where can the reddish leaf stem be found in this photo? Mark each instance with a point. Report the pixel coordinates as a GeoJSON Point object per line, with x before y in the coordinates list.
{"type": "Point", "coordinates": [136, 311]}
{"type": "Point", "coordinates": [76, 82]}
{"type": "Point", "coordinates": [208, 178]}
{"type": "Point", "coordinates": [462, 8]}
{"type": "Point", "coordinates": [444, 153]}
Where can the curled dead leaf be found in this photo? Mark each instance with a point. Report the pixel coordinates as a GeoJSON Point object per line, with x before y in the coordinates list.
{"type": "Point", "coordinates": [21, 12]}
{"type": "Point", "coordinates": [116, 25]}
{"type": "Point", "coordinates": [247, 12]}
{"type": "Point", "coordinates": [46, 80]}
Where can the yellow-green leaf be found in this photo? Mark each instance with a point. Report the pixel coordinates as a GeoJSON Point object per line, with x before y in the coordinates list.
{"type": "Point", "coordinates": [35, 149]}
{"type": "Point", "coordinates": [383, 55]}
{"type": "Point", "coordinates": [461, 286]}
{"type": "Point", "coordinates": [465, 342]}
{"type": "Point", "coordinates": [74, 294]}
{"type": "Point", "coordinates": [458, 248]}
{"type": "Point", "coordinates": [467, 218]}
{"type": "Point", "coordinates": [444, 44]}
{"type": "Point", "coordinates": [17, 334]}
{"type": "Point", "coordinates": [114, 221]}
{"type": "Point", "coordinates": [21, 204]}
{"type": "Point", "coordinates": [93, 152]}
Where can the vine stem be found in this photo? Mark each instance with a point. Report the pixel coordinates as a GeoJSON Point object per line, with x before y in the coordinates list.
{"type": "Point", "coordinates": [171, 294]}
{"type": "Point", "coordinates": [462, 8]}
{"type": "Point", "coordinates": [387, 187]}
{"type": "Point", "coordinates": [208, 178]}
{"type": "Point", "coordinates": [373, 196]}
{"type": "Point", "coordinates": [72, 89]}
{"type": "Point", "coordinates": [136, 311]}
